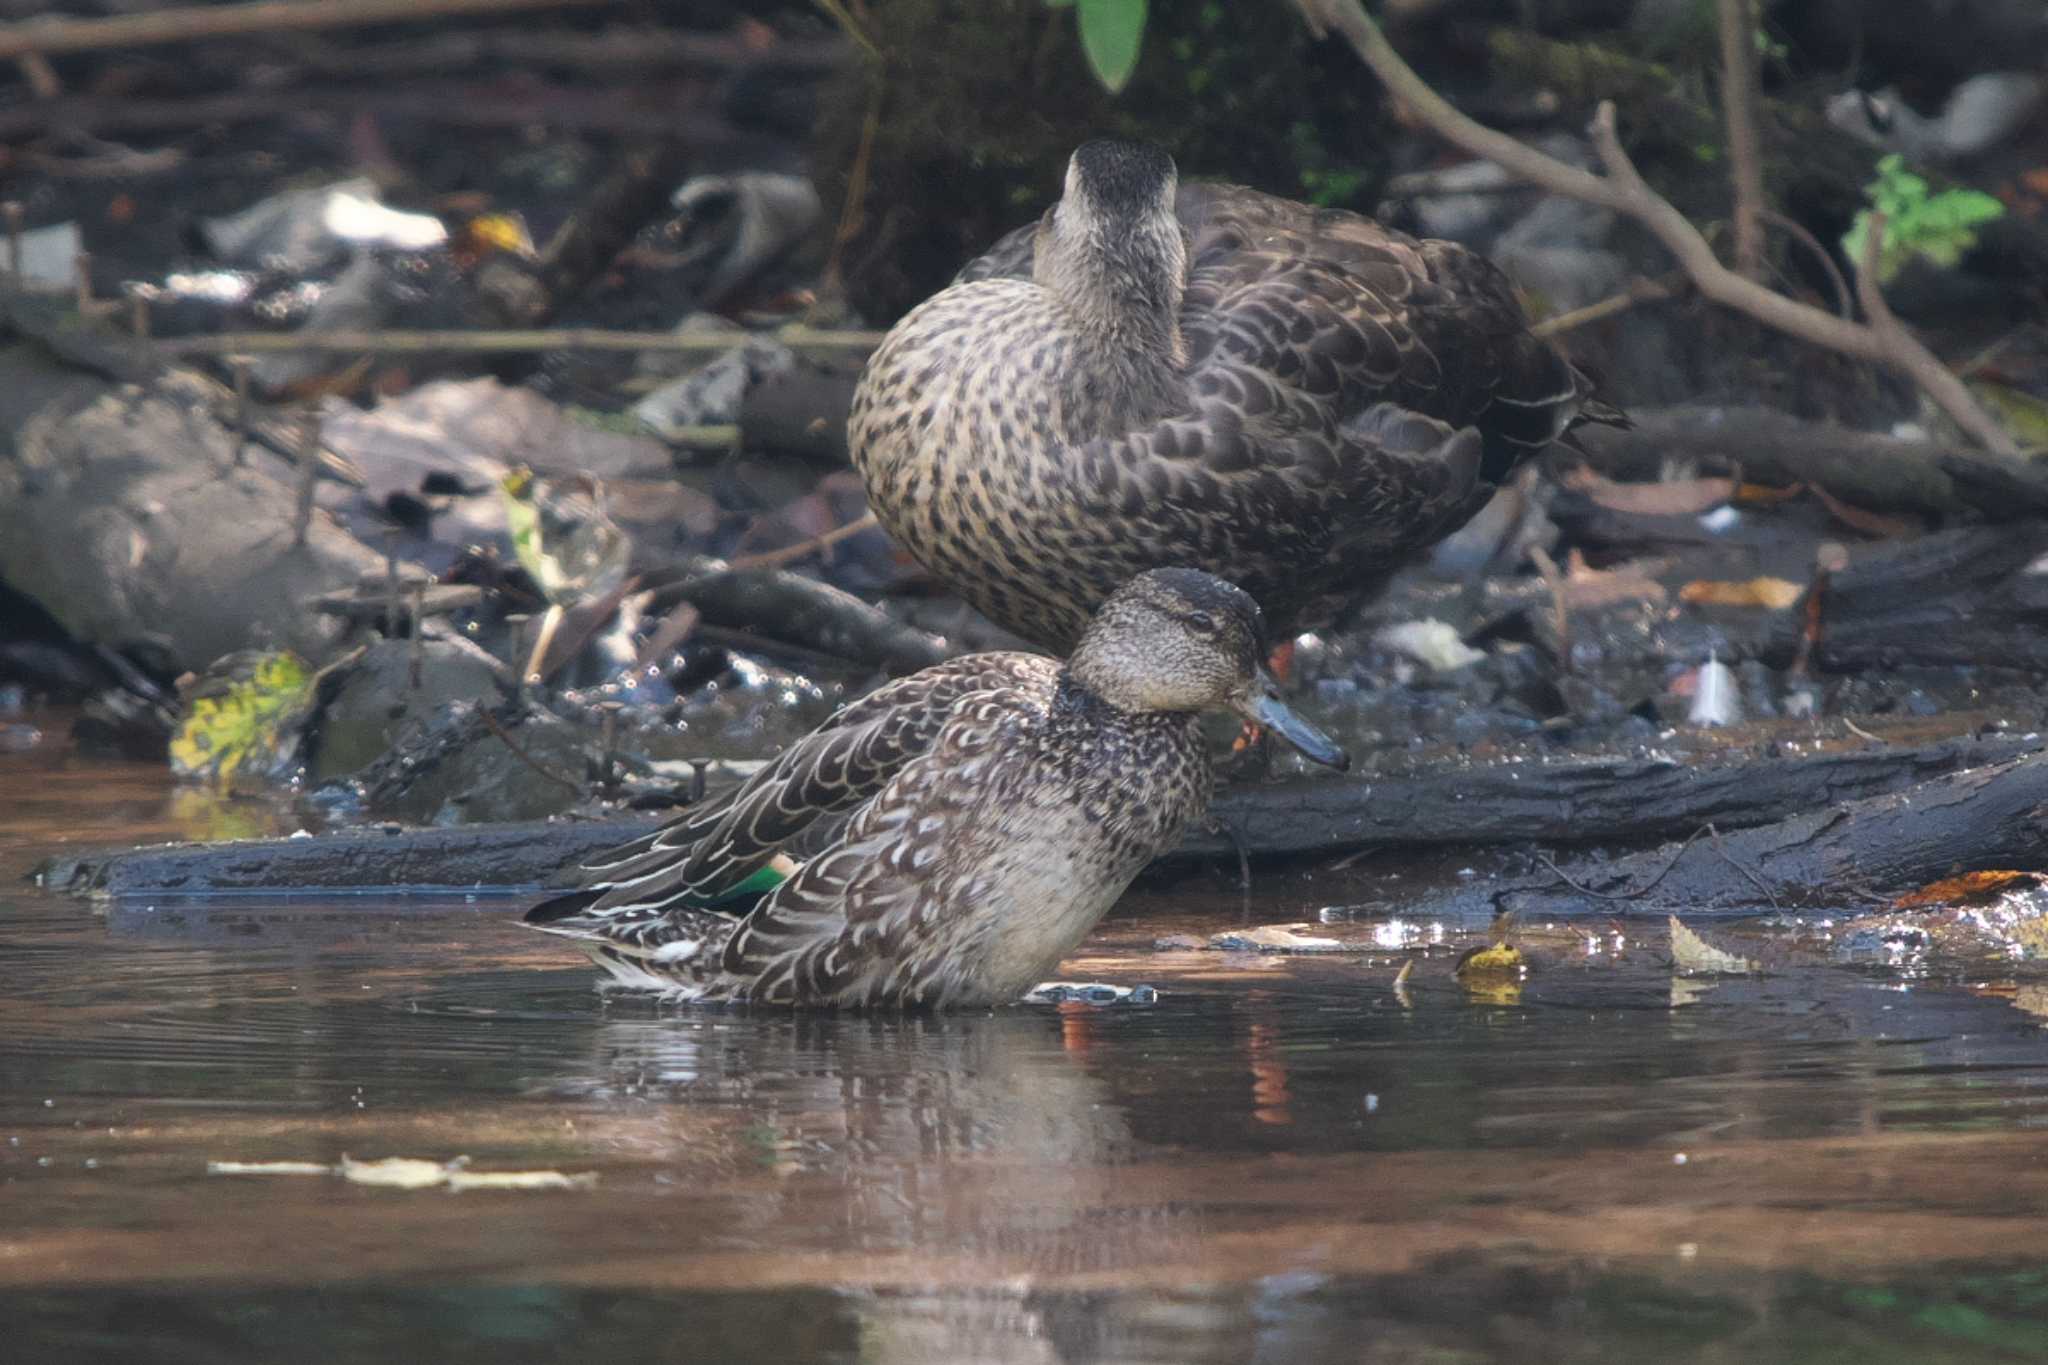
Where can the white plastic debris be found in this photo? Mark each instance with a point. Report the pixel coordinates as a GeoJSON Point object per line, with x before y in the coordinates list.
{"type": "Point", "coordinates": [1431, 642]}
{"type": "Point", "coordinates": [49, 256]}
{"type": "Point", "coordinates": [1716, 697]}
{"type": "Point", "coordinates": [299, 229]}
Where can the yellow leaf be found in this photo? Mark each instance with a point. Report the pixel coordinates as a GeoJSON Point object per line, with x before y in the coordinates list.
{"type": "Point", "coordinates": [247, 719]}
{"type": "Point", "coordinates": [1496, 959]}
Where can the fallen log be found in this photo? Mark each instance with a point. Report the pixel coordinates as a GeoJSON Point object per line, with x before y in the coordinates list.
{"type": "Point", "coordinates": [498, 859]}
{"type": "Point", "coordinates": [1963, 597]}
{"type": "Point", "coordinates": [1591, 801]}
{"type": "Point", "coordinates": [1848, 855]}
{"type": "Point", "coordinates": [1584, 801]}
{"type": "Point", "coordinates": [770, 605]}
{"type": "Point", "coordinates": [1865, 468]}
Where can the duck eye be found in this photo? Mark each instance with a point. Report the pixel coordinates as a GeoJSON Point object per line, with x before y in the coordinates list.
{"type": "Point", "coordinates": [1200, 622]}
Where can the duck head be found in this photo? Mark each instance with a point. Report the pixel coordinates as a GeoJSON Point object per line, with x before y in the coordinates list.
{"type": "Point", "coordinates": [1184, 640]}
{"type": "Point", "coordinates": [1112, 250]}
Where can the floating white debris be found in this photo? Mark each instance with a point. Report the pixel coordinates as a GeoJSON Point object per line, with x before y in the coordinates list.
{"type": "Point", "coordinates": [268, 1168]}
{"type": "Point", "coordinates": [1276, 938]}
{"type": "Point", "coordinates": [413, 1173]}
{"type": "Point", "coordinates": [1089, 993]}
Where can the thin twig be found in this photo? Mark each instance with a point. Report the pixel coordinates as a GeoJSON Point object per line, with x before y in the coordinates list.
{"type": "Point", "coordinates": [851, 211]}
{"type": "Point", "coordinates": [789, 554]}
{"type": "Point", "coordinates": [1639, 291]}
{"type": "Point", "coordinates": [850, 26]}
{"type": "Point", "coordinates": [222, 21]}
{"type": "Point", "coordinates": [1753, 878]}
{"type": "Point", "coordinates": [1624, 190]}
{"type": "Point", "coordinates": [491, 724]}
{"type": "Point", "coordinates": [1844, 304]}
{"type": "Point", "coordinates": [1640, 891]}
{"type": "Point", "coordinates": [1941, 384]}
{"type": "Point", "coordinates": [1738, 110]}
{"type": "Point", "coordinates": [796, 337]}
{"type": "Point", "coordinates": [1560, 610]}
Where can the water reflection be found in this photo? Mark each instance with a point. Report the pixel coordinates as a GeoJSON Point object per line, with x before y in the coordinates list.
{"type": "Point", "coordinates": [1286, 1159]}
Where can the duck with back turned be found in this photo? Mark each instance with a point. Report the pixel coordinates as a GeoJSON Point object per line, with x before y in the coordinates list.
{"type": "Point", "coordinates": [1157, 374]}
{"type": "Point", "coordinates": [1001, 803]}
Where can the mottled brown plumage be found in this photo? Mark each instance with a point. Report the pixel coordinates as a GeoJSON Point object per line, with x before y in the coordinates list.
{"type": "Point", "coordinates": [1297, 399]}
{"type": "Point", "coordinates": [1001, 803]}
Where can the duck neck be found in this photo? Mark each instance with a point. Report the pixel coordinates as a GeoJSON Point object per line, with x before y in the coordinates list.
{"type": "Point", "coordinates": [1084, 721]}
{"type": "Point", "coordinates": [1122, 300]}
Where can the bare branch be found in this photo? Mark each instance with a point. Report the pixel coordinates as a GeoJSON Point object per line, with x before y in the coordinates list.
{"type": "Point", "coordinates": [1638, 291]}
{"type": "Point", "coordinates": [1738, 108]}
{"type": "Point", "coordinates": [1940, 382]}
{"type": "Point", "coordinates": [1624, 190]}
{"type": "Point", "coordinates": [796, 336]}
{"type": "Point", "coordinates": [220, 21]}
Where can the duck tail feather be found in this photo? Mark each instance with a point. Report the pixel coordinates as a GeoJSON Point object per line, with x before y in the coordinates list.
{"type": "Point", "coordinates": [569, 905]}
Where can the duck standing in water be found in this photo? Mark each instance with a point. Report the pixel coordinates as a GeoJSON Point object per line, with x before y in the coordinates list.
{"type": "Point", "coordinates": [1002, 802]}
{"type": "Point", "coordinates": [1297, 399]}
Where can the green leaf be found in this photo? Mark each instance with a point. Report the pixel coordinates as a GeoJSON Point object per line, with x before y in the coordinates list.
{"type": "Point", "coordinates": [1939, 228]}
{"type": "Point", "coordinates": [1110, 34]}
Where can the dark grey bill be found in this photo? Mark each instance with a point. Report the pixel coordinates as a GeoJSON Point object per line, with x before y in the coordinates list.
{"type": "Point", "coordinates": [1264, 707]}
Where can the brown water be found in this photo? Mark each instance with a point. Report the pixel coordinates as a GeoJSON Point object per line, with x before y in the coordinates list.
{"type": "Point", "coordinates": [1284, 1159]}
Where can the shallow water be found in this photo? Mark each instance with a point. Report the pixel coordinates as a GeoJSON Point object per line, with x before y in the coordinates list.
{"type": "Point", "coordinates": [1285, 1159]}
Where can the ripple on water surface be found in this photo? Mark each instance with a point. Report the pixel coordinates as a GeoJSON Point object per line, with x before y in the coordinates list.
{"type": "Point", "coordinates": [1286, 1158]}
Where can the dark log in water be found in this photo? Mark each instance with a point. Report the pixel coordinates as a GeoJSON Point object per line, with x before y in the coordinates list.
{"type": "Point", "coordinates": [1580, 802]}
{"type": "Point", "coordinates": [1853, 854]}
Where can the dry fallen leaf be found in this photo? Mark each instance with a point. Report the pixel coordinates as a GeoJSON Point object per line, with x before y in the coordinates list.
{"type": "Point", "coordinates": [1694, 955]}
{"type": "Point", "coordinates": [1968, 886]}
{"type": "Point", "coordinates": [1774, 593]}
